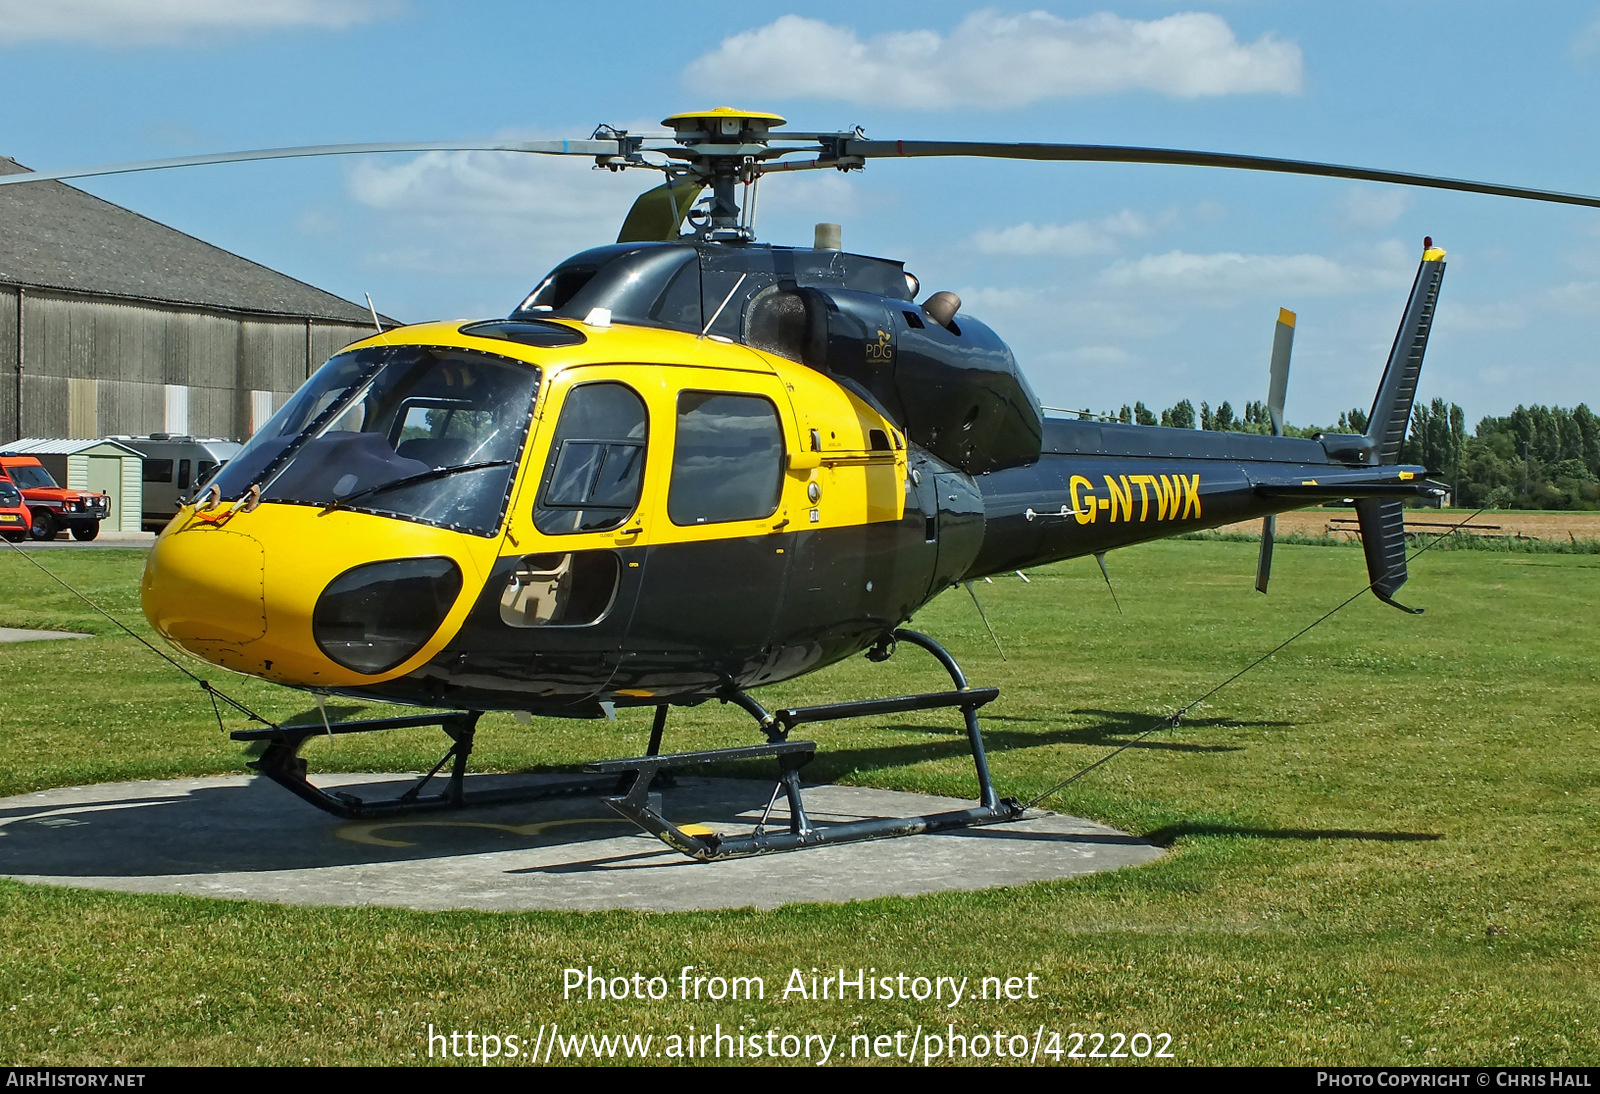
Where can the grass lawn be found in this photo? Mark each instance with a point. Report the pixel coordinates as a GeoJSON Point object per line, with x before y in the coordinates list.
{"type": "Point", "coordinates": [1385, 842]}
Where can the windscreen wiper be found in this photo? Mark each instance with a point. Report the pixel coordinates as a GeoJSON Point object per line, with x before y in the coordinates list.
{"type": "Point", "coordinates": [421, 476]}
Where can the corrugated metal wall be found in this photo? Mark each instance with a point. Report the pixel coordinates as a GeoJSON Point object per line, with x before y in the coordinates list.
{"type": "Point", "coordinates": [134, 349]}
{"type": "Point", "coordinates": [8, 364]}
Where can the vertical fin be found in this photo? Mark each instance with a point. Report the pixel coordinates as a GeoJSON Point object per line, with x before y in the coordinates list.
{"type": "Point", "coordinates": [1269, 531]}
{"type": "Point", "coordinates": [1391, 407]}
{"type": "Point", "coordinates": [1383, 541]}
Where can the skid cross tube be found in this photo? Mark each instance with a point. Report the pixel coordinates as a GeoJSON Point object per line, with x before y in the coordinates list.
{"type": "Point", "coordinates": [793, 755]}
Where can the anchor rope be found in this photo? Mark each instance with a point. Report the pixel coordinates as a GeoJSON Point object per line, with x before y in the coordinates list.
{"type": "Point", "coordinates": [211, 690]}
{"type": "Point", "coordinates": [1172, 720]}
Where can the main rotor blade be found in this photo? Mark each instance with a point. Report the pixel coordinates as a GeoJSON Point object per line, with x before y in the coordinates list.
{"type": "Point", "coordinates": [547, 148]}
{"type": "Point", "coordinates": [1110, 153]}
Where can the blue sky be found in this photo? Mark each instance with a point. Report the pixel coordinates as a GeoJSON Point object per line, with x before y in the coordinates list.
{"type": "Point", "coordinates": [1112, 283]}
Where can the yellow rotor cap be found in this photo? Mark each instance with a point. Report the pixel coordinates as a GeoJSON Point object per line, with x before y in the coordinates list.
{"type": "Point", "coordinates": [723, 119]}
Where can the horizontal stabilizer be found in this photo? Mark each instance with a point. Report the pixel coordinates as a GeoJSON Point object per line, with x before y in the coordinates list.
{"type": "Point", "coordinates": [1310, 493]}
{"type": "Point", "coordinates": [1383, 540]}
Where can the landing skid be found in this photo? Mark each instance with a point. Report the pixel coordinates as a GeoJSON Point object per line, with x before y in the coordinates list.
{"type": "Point", "coordinates": [625, 785]}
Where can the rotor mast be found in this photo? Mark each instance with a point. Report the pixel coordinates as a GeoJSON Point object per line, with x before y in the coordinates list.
{"type": "Point", "coordinates": [724, 148]}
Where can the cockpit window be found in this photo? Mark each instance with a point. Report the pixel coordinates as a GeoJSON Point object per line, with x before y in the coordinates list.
{"type": "Point", "coordinates": [429, 434]}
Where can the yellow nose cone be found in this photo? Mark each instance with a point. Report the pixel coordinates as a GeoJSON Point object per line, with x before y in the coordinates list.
{"type": "Point", "coordinates": [242, 591]}
{"type": "Point", "coordinates": [204, 588]}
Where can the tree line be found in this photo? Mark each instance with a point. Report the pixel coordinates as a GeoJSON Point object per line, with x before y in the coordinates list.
{"type": "Point", "coordinates": [1538, 457]}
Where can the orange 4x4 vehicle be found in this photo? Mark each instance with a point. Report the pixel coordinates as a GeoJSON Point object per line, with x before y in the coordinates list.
{"type": "Point", "coordinates": [54, 507]}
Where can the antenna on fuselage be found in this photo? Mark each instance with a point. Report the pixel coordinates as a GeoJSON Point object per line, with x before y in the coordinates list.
{"type": "Point", "coordinates": [1100, 557]}
{"type": "Point", "coordinates": [983, 616]}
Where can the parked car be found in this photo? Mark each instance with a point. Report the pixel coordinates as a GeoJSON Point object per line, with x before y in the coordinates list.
{"type": "Point", "coordinates": [53, 506]}
{"type": "Point", "coordinates": [175, 467]}
{"type": "Point", "coordinates": [15, 520]}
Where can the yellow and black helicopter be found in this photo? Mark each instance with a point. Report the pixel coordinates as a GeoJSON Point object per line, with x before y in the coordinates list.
{"type": "Point", "coordinates": [688, 465]}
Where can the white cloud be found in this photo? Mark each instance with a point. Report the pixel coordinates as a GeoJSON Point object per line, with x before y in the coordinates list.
{"type": "Point", "coordinates": [809, 195]}
{"type": "Point", "coordinates": [317, 222]}
{"type": "Point", "coordinates": [1576, 297]}
{"type": "Point", "coordinates": [1587, 41]}
{"type": "Point", "coordinates": [1498, 315]}
{"type": "Point", "coordinates": [1043, 314]}
{"type": "Point", "coordinates": [1004, 302]}
{"type": "Point", "coordinates": [147, 22]}
{"type": "Point", "coordinates": [996, 61]}
{"type": "Point", "coordinates": [1368, 208]}
{"type": "Point", "coordinates": [492, 213]}
{"type": "Point", "coordinates": [1100, 356]}
{"type": "Point", "coordinates": [1230, 274]}
{"type": "Point", "coordinates": [1081, 237]}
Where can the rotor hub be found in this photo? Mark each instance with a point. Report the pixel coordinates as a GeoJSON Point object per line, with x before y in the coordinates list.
{"type": "Point", "coordinates": [727, 146]}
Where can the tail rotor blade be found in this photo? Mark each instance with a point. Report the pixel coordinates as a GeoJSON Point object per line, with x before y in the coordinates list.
{"type": "Point", "coordinates": [1277, 389]}
{"type": "Point", "coordinates": [1282, 346]}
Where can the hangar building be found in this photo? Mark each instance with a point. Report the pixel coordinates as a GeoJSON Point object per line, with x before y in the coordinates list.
{"type": "Point", "coordinates": [111, 323]}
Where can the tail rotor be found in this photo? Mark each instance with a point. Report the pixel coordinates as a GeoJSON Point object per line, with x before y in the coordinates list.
{"type": "Point", "coordinates": [1278, 387]}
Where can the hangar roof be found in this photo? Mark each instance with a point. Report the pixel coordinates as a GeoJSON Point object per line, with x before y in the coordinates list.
{"type": "Point", "coordinates": [55, 236]}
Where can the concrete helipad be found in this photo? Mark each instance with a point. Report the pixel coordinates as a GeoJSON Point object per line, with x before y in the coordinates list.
{"type": "Point", "coordinates": [245, 838]}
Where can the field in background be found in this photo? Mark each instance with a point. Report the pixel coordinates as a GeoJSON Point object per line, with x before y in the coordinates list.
{"type": "Point", "coordinates": [1550, 527]}
{"type": "Point", "coordinates": [1383, 841]}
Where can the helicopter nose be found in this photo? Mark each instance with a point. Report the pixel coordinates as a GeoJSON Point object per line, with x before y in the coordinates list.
{"type": "Point", "coordinates": [311, 599]}
{"type": "Point", "coordinates": [203, 588]}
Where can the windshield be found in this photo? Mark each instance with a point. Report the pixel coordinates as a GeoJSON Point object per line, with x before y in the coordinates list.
{"type": "Point", "coordinates": [425, 433]}
{"type": "Point", "coordinates": [31, 477]}
{"type": "Point", "coordinates": [10, 498]}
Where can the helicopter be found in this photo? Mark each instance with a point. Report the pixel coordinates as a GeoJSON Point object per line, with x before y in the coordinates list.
{"type": "Point", "coordinates": [690, 464]}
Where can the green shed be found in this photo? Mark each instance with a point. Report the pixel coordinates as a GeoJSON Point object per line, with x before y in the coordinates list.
{"type": "Point", "coordinates": [104, 467]}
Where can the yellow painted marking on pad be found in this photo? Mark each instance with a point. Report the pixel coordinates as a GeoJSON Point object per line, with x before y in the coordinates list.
{"type": "Point", "coordinates": [368, 833]}
{"type": "Point", "coordinates": [696, 830]}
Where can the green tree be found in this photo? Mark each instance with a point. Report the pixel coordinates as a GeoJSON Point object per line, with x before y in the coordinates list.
{"type": "Point", "coordinates": [1180, 416]}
